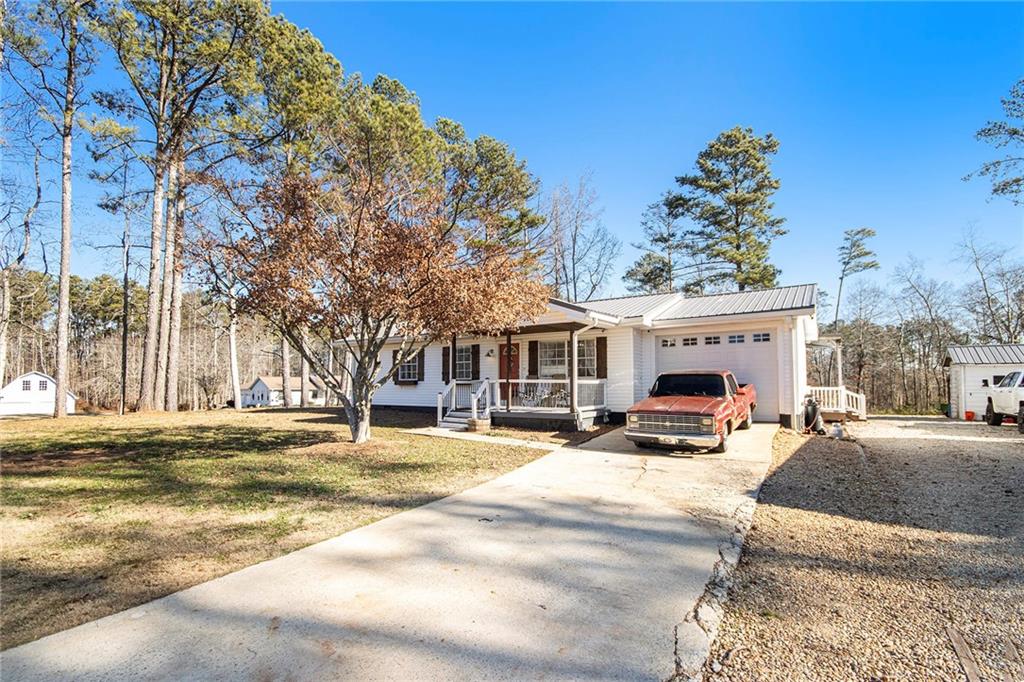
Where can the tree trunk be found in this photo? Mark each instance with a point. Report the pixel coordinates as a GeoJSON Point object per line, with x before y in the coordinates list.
{"type": "Point", "coordinates": [303, 375]}
{"type": "Point", "coordinates": [125, 307]}
{"type": "Point", "coordinates": [159, 390]}
{"type": "Point", "coordinates": [174, 340]}
{"type": "Point", "coordinates": [60, 408]}
{"type": "Point", "coordinates": [358, 413]}
{"type": "Point", "coordinates": [5, 321]}
{"type": "Point", "coordinates": [236, 384]}
{"type": "Point", "coordinates": [286, 372]}
{"type": "Point", "coordinates": [153, 301]}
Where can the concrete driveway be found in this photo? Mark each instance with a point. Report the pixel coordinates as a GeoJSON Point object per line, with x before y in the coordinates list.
{"type": "Point", "coordinates": [600, 562]}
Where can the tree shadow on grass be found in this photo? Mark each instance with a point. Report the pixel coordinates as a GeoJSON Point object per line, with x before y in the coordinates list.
{"type": "Point", "coordinates": [380, 417]}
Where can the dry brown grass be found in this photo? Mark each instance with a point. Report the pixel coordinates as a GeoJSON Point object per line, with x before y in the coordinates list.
{"type": "Point", "coordinates": [102, 513]}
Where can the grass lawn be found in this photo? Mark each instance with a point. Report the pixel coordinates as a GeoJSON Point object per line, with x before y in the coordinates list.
{"type": "Point", "coordinates": [102, 513]}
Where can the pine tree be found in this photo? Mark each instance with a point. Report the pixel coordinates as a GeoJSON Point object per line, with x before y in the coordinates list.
{"type": "Point", "coordinates": [728, 199]}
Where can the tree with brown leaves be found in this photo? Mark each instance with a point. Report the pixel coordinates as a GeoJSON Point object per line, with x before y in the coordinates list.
{"type": "Point", "coordinates": [412, 234]}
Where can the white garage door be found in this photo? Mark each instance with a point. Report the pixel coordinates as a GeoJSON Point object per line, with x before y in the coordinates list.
{"type": "Point", "coordinates": [751, 356]}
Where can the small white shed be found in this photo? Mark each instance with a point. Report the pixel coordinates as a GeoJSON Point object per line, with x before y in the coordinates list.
{"type": "Point", "coordinates": [974, 371]}
{"type": "Point", "coordinates": [32, 393]}
{"type": "Point", "coordinates": [267, 391]}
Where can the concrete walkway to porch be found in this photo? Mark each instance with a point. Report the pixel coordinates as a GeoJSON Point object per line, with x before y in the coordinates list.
{"type": "Point", "coordinates": [597, 562]}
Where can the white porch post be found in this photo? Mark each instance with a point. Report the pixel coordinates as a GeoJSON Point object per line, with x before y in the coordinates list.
{"type": "Point", "coordinates": [574, 373]}
{"type": "Point", "coordinates": [839, 362]}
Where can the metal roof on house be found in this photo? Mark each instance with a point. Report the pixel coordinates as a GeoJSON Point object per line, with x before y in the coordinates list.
{"type": "Point", "coordinates": [628, 306]}
{"type": "Point", "coordinates": [998, 354]}
{"type": "Point", "coordinates": [802, 296]}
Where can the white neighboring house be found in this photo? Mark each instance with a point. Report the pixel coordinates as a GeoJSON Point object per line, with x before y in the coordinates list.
{"type": "Point", "coordinates": [269, 392]}
{"type": "Point", "coordinates": [32, 393]}
{"type": "Point", "coordinates": [589, 361]}
{"type": "Point", "coordinates": [974, 371]}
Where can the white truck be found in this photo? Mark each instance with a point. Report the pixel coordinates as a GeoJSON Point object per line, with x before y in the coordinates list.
{"type": "Point", "coordinates": [1007, 400]}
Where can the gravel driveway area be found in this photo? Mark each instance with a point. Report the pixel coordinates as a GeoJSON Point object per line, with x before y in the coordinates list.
{"type": "Point", "coordinates": [869, 559]}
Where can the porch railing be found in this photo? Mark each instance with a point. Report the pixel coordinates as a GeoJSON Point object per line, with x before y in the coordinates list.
{"type": "Point", "coordinates": [464, 395]}
{"type": "Point", "coordinates": [546, 394]}
{"type": "Point", "coordinates": [840, 399]}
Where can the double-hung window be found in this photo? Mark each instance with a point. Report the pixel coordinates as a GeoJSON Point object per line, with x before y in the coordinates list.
{"type": "Point", "coordinates": [552, 362]}
{"type": "Point", "coordinates": [409, 370]}
{"type": "Point", "coordinates": [26, 384]}
{"type": "Point", "coordinates": [554, 359]}
{"type": "Point", "coordinates": [586, 358]}
{"type": "Point", "coordinates": [464, 363]}
{"type": "Point", "coordinates": [43, 384]}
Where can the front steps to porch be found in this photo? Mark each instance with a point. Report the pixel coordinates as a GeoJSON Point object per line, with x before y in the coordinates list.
{"type": "Point", "coordinates": [457, 420]}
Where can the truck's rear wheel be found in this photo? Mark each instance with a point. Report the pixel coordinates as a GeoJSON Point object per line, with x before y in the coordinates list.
{"type": "Point", "coordinates": [723, 445]}
{"type": "Point", "coordinates": [992, 418]}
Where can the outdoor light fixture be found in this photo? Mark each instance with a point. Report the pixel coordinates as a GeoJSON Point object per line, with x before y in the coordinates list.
{"type": "Point", "coordinates": [490, 353]}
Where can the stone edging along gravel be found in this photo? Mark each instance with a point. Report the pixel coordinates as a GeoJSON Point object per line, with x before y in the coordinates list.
{"type": "Point", "coordinates": [696, 633]}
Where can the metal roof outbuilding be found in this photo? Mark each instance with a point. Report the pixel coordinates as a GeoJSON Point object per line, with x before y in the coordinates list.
{"type": "Point", "coordinates": [995, 354]}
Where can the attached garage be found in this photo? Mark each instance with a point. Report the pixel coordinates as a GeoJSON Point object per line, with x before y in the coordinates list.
{"type": "Point", "coordinates": [752, 356]}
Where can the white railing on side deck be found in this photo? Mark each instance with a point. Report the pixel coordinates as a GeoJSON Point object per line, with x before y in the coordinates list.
{"type": "Point", "coordinates": [839, 399]}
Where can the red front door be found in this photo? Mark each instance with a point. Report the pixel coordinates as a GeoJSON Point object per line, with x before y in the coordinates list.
{"type": "Point", "coordinates": [506, 362]}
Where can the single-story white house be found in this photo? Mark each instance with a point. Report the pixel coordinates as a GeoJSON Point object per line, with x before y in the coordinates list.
{"type": "Point", "coordinates": [32, 393]}
{"type": "Point", "coordinates": [975, 370]}
{"type": "Point", "coordinates": [269, 392]}
{"type": "Point", "coordinates": [581, 362]}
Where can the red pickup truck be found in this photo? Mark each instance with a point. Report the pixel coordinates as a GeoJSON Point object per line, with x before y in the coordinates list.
{"type": "Point", "coordinates": [693, 410]}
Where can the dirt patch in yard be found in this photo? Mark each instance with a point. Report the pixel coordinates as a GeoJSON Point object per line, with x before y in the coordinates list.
{"type": "Point", "coordinates": [864, 555]}
{"type": "Point", "coordinates": [556, 437]}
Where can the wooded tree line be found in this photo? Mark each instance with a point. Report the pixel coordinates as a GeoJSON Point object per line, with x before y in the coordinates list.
{"type": "Point", "coordinates": [95, 340]}
{"type": "Point", "coordinates": [895, 335]}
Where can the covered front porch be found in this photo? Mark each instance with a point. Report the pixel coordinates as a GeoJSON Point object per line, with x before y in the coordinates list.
{"type": "Point", "coordinates": [548, 374]}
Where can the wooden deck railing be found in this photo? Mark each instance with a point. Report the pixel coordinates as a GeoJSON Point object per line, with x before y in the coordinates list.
{"type": "Point", "coordinates": [840, 399]}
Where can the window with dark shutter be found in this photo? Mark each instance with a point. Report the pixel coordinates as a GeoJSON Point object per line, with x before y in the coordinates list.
{"type": "Point", "coordinates": [533, 359]}
{"type": "Point", "coordinates": [446, 364]}
{"type": "Point", "coordinates": [475, 362]}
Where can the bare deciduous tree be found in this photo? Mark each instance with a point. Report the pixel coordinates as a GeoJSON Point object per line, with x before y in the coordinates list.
{"type": "Point", "coordinates": [581, 252]}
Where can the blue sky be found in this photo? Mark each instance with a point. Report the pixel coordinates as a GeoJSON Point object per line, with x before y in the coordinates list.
{"type": "Point", "coordinates": [875, 105]}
